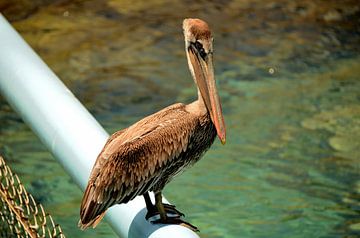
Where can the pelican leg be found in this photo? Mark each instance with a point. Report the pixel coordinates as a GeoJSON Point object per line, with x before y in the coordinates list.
{"type": "Point", "coordinates": [151, 209]}
{"type": "Point", "coordinates": [164, 219]}
{"type": "Point", "coordinates": [160, 206]}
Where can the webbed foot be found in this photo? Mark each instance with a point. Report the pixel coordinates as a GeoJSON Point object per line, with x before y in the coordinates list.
{"type": "Point", "coordinates": [169, 209]}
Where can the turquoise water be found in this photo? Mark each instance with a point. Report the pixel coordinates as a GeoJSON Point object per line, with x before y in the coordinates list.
{"type": "Point", "coordinates": [288, 76]}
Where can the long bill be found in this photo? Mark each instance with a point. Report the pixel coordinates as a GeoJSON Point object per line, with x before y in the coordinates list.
{"type": "Point", "coordinates": [204, 76]}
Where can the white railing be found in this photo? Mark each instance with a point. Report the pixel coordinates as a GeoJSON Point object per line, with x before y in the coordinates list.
{"type": "Point", "coordinates": [67, 129]}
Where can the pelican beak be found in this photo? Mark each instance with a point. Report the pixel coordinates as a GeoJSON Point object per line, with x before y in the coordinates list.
{"type": "Point", "coordinates": [203, 72]}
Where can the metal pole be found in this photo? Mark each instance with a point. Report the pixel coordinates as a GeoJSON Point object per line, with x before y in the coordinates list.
{"type": "Point", "coordinates": [67, 129]}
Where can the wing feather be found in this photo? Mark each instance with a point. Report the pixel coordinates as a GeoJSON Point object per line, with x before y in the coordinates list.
{"type": "Point", "coordinates": [133, 160]}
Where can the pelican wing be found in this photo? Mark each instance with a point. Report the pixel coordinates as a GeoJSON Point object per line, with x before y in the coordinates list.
{"type": "Point", "coordinates": [133, 160]}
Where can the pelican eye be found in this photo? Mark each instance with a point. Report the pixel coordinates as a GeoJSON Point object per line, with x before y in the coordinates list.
{"type": "Point", "coordinates": [200, 49]}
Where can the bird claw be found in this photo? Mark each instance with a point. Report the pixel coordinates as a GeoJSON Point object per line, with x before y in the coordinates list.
{"type": "Point", "coordinates": [170, 209]}
{"type": "Point", "coordinates": [177, 221]}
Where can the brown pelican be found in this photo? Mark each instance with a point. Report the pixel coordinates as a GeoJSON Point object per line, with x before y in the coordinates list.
{"type": "Point", "coordinates": [147, 155]}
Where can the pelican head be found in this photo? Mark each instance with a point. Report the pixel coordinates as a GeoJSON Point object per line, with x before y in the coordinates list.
{"type": "Point", "coordinates": [199, 52]}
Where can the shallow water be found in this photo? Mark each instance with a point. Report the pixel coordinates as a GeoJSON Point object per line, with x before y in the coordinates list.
{"type": "Point", "coordinates": [289, 78]}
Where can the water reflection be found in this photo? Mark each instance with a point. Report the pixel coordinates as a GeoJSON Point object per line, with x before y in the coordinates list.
{"type": "Point", "coordinates": [290, 167]}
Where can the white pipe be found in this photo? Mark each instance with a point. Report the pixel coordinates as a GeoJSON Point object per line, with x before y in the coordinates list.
{"type": "Point", "coordinates": [67, 129]}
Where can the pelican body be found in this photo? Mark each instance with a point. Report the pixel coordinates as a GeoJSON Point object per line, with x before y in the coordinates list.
{"type": "Point", "coordinates": [147, 155]}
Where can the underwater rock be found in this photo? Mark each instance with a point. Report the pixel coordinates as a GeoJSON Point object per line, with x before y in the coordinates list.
{"type": "Point", "coordinates": [344, 123]}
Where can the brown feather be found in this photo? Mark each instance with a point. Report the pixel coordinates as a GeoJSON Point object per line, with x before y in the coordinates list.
{"type": "Point", "coordinates": [133, 160]}
{"type": "Point", "coordinates": [199, 29]}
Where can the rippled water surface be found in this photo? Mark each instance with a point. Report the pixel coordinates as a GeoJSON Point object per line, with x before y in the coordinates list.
{"type": "Point", "coordinates": [288, 74]}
